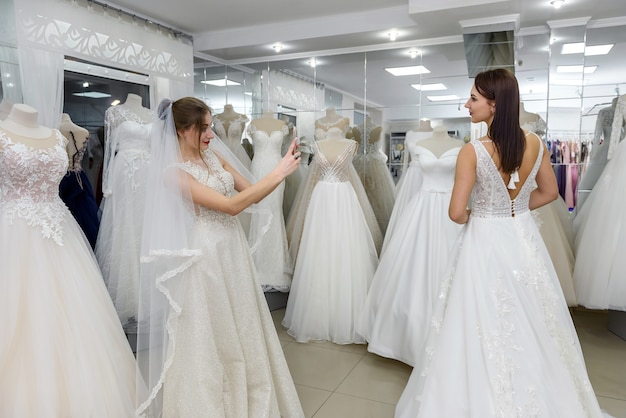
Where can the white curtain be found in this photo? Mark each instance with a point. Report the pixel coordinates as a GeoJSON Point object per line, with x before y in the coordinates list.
{"type": "Point", "coordinates": [42, 83]}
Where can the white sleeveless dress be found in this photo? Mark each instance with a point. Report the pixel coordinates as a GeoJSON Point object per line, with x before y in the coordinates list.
{"type": "Point", "coordinates": [63, 352]}
{"type": "Point", "coordinates": [502, 342]}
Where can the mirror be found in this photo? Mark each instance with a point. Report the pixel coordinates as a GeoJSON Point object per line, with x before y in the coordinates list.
{"type": "Point", "coordinates": [10, 84]}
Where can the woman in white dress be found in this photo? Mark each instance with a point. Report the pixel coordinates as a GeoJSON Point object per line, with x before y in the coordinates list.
{"type": "Point", "coordinates": [63, 352]}
{"type": "Point", "coordinates": [405, 287]}
{"type": "Point", "coordinates": [207, 345]}
{"type": "Point", "coordinates": [502, 342]}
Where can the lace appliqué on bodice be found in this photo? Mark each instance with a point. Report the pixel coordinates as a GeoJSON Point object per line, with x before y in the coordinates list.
{"type": "Point", "coordinates": [230, 131]}
{"type": "Point", "coordinates": [217, 179]}
{"type": "Point", "coordinates": [335, 172]}
{"type": "Point", "coordinates": [491, 196]}
{"type": "Point", "coordinates": [29, 184]}
{"type": "Point", "coordinates": [272, 143]}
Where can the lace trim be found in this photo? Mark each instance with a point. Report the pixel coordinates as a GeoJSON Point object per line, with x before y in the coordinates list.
{"type": "Point", "coordinates": [49, 217]}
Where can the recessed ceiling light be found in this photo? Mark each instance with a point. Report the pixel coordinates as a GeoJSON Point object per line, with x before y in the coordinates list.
{"type": "Point", "coordinates": [557, 3]}
{"type": "Point", "coordinates": [115, 102]}
{"type": "Point", "coordinates": [573, 48]}
{"type": "Point", "coordinates": [312, 62]}
{"type": "Point", "coordinates": [393, 35]}
{"type": "Point", "coordinates": [85, 84]}
{"type": "Point", "coordinates": [221, 82]}
{"type": "Point", "coordinates": [429, 87]}
{"type": "Point", "coordinates": [92, 94]}
{"type": "Point", "coordinates": [277, 47]}
{"type": "Point", "coordinates": [576, 69]}
{"type": "Point", "coordinates": [412, 70]}
{"type": "Point", "coordinates": [442, 98]}
{"type": "Point", "coordinates": [598, 49]}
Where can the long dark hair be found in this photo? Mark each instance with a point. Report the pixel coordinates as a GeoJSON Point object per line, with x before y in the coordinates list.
{"type": "Point", "coordinates": [188, 112]}
{"type": "Point", "coordinates": [500, 85]}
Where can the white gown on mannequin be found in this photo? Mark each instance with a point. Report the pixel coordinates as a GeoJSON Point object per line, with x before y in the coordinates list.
{"type": "Point", "coordinates": [371, 164]}
{"type": "Point", "coordinates": [502, 342]}
{"type": "Point", "coordinates": [232, 135]}
{"type": "Point", "coordinates": [336, 255]}
{"type": "Point", "coordinates": [63, 352]}
{"type": "Point", "coordinates": [119, 238]}
{"type": "Point", "coordinates": [600, 231]}
{"type": "Point", "coordinates": [406, 284]}
{"type": "Point", "coordinates": [271, 257]}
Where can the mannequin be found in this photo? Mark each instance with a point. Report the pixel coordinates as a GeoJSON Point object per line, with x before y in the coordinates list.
{"type": "Point", "coordinates": [22, 124]}
{"type": "Point", "coordinates": [126, 160]}
{"type": "Point", "coordinates": [370, 163]}
{"type": "Point", "coordinates": [330, 120]}
{"type": "Point", "coordinates": [416, 252]}
{"type": "Point", "coordinates": [59, 327]}
{"type": "Point", "coordinates": [531, 121]}
{"type": "Point", "coordinates": [274, 265]}
{"type": "Point", "coordinates": [618, 130]}
{"type": "Point", "coordinates": [75, 188]}
{"type": "Point", "coordinates": [332, 221]}
{"type": "Point", "coordinates": [414, 136]}
{"type": "Point", "coordinates": [5, 108]}
{"type": "Point", "coordinates": [440, 142]}
{"type": "Point", "coordinates": [229, 127]}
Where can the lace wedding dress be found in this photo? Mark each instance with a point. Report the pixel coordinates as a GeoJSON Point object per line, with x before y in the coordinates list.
{"type": "Point", "coordinates": [62, 350]}
{"type": "Point", "coordinates": [334, 239]}
{"type": "Point", "coordinates": [119, 239]}
{"type": "Point", "coordinates": [272, 259]}
{"type": "Point", "coordinates": [231, 132]}
{"type": "Point", "coordinates": [406, 284]}
{"type": "Point", "coordinates": [502, 342]}
{"type": "Point", "coordinates": [228, 360]}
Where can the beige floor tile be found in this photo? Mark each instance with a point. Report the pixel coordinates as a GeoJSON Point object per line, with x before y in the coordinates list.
{"type": "Point", "coordinates": [348, 348]}
{"type": "Point", "coordinates": [311, 399]}
{"type": "Point", "coordinates": [604, 354]}
{"type": "Point", "coordinates": [615, 407]}
{"type": "Point", "coordinates": [376, 378]}
{"type": "Point", "coordinates": [346, 406]}
{"type": "Point", "coordinates": [277, 317]}
{"type": "Point", "coordinates": [319, 367]}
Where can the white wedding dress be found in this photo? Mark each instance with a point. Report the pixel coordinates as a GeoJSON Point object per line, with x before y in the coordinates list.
{"type": "Point", "coordinates": [405, 287]}
{"type": "Point", "coordinates": [119, 237]}
{"type": "Point", "coordinates": [272, 259]}
{"type": "Point", "coordinates": [63, 352]}
{"type": "Point", "coordinates": [231, 133]}
{"type": "Point", "coordinates": [228, 360]}
{"type": "Point", "coordinates": [600, 239]}
{"type": "Point", "coordinates": [501, 342]}
{"type": "Point", "coordinates": [334, 237]}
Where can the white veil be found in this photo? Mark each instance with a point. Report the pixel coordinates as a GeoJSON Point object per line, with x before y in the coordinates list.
{"type": "Point", "coordinates": [165, 256]}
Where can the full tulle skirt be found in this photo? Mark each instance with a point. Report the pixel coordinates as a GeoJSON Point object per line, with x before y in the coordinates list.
{"type": "Point", "coordinates": [502, 342]}
{"type": "Point", "coordinates": [335, 264]}
{"type": "Point", "coordinates": [63, 352]}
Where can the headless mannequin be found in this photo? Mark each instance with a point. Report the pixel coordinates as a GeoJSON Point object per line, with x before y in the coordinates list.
{"type": "Point", "coordinates": [440, 142]}
{"type": "Point", "coordinates": [133, 104]}
{"type": "Point", "coordinates": [414, 136]}
{"type": "Point", "coordinates": [425, 126]}
{"type": "Point", "coordinates": [22, 126]}
{"type": "Point", "coordinates": [332, 120]}
{"type": "Point", "coordinates": [525, 116]}
{"type": "Point", "coordinates": [268, 123]}
{"type": "Point", "coordinates": [5, 108]}
{"type": "Point", "coordinates": [229, 115]}
{"type": "Point", "coordinates": [334, 144]}
{"type": "Point", "coordinates": [76, 137]}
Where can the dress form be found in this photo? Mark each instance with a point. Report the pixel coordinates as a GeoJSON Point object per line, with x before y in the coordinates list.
{"type": "Point", "coordinates": [76, 136]}
{"type": "Point", "coordinates": [531, 121]}
{"type": "Point", "coordinates": [268, 123]}
{"type": "Point", "coordinates": [229, 127]}
{"type": "Point", "coordinates": [134, 105]}
{"type": "Point", "coordinates": [334, 144]}
{"type": "Point", "coordinates": [440, 141]}
{"type": "Point", "coordinates": [22, 124]}
{"type": "Point", "coordinates": [5, 108]}
{"type": "Point", "coordinates": [330, 120]}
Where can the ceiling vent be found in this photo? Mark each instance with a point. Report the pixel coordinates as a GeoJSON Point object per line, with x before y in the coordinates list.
{"type": "Point", "coordinates": [490, 43]}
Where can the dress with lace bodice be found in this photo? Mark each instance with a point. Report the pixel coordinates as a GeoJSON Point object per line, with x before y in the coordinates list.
{"type": "Point", "coordinates": [231, 133]}
{"type": "Point", "coordinates": [336, 255]}
{"type": "Point", "coordinates": [228, 360]}
{"type": "Point", "coordinates": [119, 240]}
{"type": "Point", "coordinates": [501, 342]}
{"type": "Point", "coordinates": [416, 254]}
{"type": "Point", "coordinates": [370, 163]}
{"type": "Point", "coordinates": [271, 257]}
{"type": "Point", "coordinates": [62, 350]}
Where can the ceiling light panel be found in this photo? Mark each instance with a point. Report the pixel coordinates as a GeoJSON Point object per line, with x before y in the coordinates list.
{"type": "Point", "coordinates": [442, 98]}
{"type": "Point", "coordinates": [411, 70]}
{"type": "Point", "coordinates": [429, 87]}
{"type": "Point", "coordinates": [220, 82]}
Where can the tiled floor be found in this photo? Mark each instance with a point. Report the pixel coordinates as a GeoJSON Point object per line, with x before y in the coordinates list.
{"type": "Point", "coordinates": [345, 381]}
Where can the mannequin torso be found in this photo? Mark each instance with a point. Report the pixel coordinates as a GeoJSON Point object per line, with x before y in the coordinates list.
{"type": "Point", "coordinates": [414, 136]}
{"type": "Point", "coordinates": [334, 144]}
{"type": "Point", "coordinates": [440, 142]}
{"type": "Point", "coordinates": [331, 120]}
{"type": "Point", "coordinates": [76, 136]}
{"type": "Point", "coordinates": [268, 123]}
{"type": "Point", "coordinates": [229, 116]}
{"type": "Point", "coordinates": [21, 125]}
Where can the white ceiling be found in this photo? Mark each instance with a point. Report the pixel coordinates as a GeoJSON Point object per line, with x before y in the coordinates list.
{"type": "Point", "coordinates": [341, 33]}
